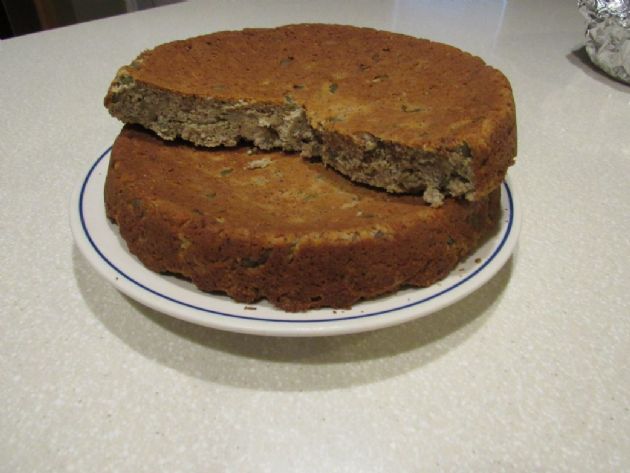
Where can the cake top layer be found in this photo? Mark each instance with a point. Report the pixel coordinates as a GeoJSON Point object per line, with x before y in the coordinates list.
{"type": "Point", "coordinates": [353, 80]}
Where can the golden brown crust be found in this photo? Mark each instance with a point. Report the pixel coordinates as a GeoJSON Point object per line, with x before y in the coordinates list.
{"type": "Point", "coordinates": [268, 225]}
{"type": "Point", "coordinates": [354, 82]}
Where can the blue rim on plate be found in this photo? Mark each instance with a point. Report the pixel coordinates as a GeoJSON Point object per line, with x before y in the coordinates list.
{"type": "Point", "coordinates": [508, 232]}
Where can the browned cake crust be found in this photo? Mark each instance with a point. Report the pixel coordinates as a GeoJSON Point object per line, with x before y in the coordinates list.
{"type": "Point", "coordinates": [389, 110]}
{"type": "Point", "coordinates": [268, 225]}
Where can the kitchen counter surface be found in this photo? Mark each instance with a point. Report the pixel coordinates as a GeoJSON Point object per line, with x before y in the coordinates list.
{"type": "Point", "coordinates": [529, 373]}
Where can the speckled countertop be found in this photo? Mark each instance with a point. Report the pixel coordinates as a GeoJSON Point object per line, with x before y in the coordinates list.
{"type": "Point", "coordinates": [530, 373]}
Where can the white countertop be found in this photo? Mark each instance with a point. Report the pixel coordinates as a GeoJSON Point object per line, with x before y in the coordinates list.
{"type": "Point", "coordinates": [530, 373]}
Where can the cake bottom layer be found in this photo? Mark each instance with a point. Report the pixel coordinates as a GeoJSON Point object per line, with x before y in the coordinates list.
{"type": "Point", "coordinates": [276, 226]}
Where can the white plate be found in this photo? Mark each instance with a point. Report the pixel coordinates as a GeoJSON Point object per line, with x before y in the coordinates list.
{"type": "Point", "coordinates": [100, 243]}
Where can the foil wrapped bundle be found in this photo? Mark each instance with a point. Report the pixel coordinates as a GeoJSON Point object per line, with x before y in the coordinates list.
{"type": "Point", "coordinates": [608, 35]}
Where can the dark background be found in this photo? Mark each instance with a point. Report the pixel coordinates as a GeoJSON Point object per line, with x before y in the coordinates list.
{"type": "Point", "coordinates": [18, 17]}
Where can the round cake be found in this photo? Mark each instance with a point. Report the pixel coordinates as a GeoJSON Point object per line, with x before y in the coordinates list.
{"type": "Point", "coordinates": [271, 225]}
{"type": "Point", "coordinates": [401, 113]}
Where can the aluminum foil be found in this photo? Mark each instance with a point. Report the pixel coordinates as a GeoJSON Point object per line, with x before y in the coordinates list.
{"type": "Point", "coordinates": [608, 35]}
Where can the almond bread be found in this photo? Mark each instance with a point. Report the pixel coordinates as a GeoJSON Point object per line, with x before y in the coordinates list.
{"type": "Point", "coordinates": [393, 111]}
{"type": "Point", "coordinates": [271, 225]}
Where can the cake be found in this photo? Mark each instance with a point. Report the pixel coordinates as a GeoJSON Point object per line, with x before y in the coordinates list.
{"type": "Point", "coordinates": [404, 114]}
{"type": "Point", "coordinates": [256, 225]}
